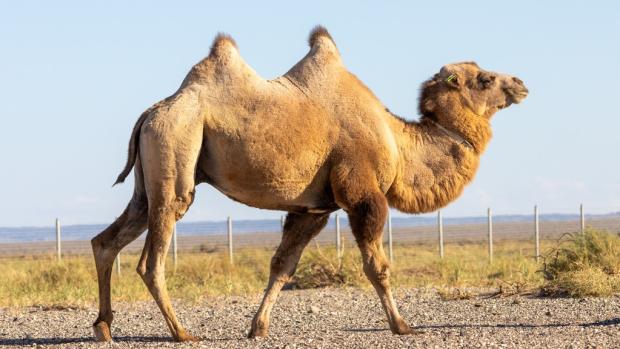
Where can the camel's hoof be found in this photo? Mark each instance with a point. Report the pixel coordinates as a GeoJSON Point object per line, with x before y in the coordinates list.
{"type": "Point", "coordinates": [102, 332]}
{"type": "Point", "coordinates": [258, 332]}
{"type": "Point", "coordinates": [402, 328]}
{"type": "Point", "coordinates": [186, 337]}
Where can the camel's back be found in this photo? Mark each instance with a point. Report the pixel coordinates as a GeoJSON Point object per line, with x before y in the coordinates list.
{"type": "Point", "coordinates": [272, 144]}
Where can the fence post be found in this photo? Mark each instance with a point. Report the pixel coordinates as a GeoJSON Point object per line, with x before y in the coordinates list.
{"type": "Point", "coordinates": [118, 264]}
{"type": "Point", "coordinates": [174, 246]}
{"type": "Point", "coordinates": [490, 225]}
{"type": "Point", "coordinates": [389, 227]}
{"type": "Point", "coordinates": [58, 250]}
{"type": "Point", "coordinates": [536, 233]}
{"type": "Point", "coordinates": [440, 230]}
{"type": "Point", "coordinates": [582, 219]}
{"type": "Point", "coordinates": [230, 240]}
{"type": "Point", "coordinates": [338, 241]}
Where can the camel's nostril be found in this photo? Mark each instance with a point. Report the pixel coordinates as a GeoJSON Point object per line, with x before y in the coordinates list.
{"type": "Point", "coordinates": [517, 80]}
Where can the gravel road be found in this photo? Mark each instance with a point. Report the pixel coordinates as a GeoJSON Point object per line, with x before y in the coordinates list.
{"type": "Point", "coordinates": [331, 318]}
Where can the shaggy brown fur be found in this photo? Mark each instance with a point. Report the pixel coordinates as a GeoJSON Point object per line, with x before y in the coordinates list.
{"type": "Point", "coordinates": [309, 142]}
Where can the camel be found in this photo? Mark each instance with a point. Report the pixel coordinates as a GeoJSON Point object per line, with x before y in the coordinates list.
{"type": "Point", "coordinates": [310, 142]}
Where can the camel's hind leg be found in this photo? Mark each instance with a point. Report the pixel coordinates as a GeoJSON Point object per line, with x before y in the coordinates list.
{"type": "Point", "coordinates": [163, 213]}
{"type": "Point", "coordinates": [106, 247]}
{"type": "Point", "coordinates": [170, 143]}
{"type": "Point", "coordinates": [299, 229]}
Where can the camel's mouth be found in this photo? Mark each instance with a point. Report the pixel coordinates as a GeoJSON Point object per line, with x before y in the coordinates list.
{"type": "Point", "coordinates": [514, 96]}
{"type": "Point", "coordinates": [514, 90]}
{"type": "Point", "coordinates": [519, 96]}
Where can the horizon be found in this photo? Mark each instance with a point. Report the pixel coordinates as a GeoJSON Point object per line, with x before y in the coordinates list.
{"type": "Point", "coordinates": [342, 215]}
{"type": "Point", "coordinates": [77, 76]}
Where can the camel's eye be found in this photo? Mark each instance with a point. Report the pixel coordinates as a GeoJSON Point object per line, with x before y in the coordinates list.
{"type": "Point", "coordinates": [486, 80]}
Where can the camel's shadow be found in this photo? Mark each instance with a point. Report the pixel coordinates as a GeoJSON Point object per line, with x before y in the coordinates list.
{"type": "Point", "coordinates": [154, 339]}
{"type": "Point", "coordinates": [609, 322]}
{"type": "Point", "coordinates": [52, 341]}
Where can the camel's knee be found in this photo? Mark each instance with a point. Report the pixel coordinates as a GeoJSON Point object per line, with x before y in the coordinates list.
{"type": "Point", "coordinates": [150, 272]}
{"type": "Point", "coordinates": [174, 208]}
{"type": "Point", "coordinates": [95, 243]}
{"type": "Point", "coordinates": [376, 266]}
{"type": "Point", "coordinates": [378, 271]}
{"type": "Point", "coordinates": [101, 250]}
{"type": "Point", "coordinates": [146, 272]}
{"type": "Point", "coordinates": [150, 276]}
{"type": "Point", "coordinates": [113, 237]}
{"type": "Point", "coordinates": [141, 270]}
{"type": "Point", "coordinates": [182, 203]}
{"type": "Point", "coordinates": [100, 241]}
{"type": "Point", "coordinates": [282, 268]}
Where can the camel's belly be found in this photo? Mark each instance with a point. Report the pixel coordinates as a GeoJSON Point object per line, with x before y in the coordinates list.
{"type": "Point", "coordinates": [273, 193]}
{"type": "Point", "coordinates": [266, 175]}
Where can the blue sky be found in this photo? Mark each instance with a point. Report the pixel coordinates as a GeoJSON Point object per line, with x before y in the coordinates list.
{"type": "Point", "coordinates": [74, 77]}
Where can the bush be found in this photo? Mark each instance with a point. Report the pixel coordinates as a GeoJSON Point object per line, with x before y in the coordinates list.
{"type": "Point", "coordinates": [583, 265]}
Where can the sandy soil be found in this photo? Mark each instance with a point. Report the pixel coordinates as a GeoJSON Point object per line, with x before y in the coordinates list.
{"type": "Point", "coordinates": [341, 318]}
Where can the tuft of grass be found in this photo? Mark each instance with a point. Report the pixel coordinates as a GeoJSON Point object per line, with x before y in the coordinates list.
{"type": "Point", "coordinates": [455, 294]}
{"type": "Point", "coordinates": [584, 265]}
{"type": "Point", "coordinates": [320, 267]}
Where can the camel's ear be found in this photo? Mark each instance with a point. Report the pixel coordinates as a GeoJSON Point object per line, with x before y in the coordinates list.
{"type": "Point", "coordinates": [451, 77]}
{"type": "Point", "coordinates": [453, 80]}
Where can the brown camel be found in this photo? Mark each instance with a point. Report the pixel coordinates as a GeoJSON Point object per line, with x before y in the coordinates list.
{"type": "Point", "coordinates": [309, 142]}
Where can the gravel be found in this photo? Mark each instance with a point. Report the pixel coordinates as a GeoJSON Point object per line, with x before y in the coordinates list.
{"type": "Point", "coordinates": [329, 318]}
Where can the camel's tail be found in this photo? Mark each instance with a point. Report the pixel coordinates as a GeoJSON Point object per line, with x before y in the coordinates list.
{"type": "Point", "coordinates": [134, 141]}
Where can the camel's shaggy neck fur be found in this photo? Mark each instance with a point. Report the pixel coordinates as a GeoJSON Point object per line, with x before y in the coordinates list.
{"type": "Point", "coordinates": [434, 168]}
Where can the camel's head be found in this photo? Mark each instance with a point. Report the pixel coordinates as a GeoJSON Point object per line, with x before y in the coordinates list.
{"type": "Point", "coordinates": [464, 87]}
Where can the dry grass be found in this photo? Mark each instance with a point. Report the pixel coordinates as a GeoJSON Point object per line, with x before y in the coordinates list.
{"type": "Point", "coordinates": [583, 265]}
{"type": "Point", "coordinates": [43, 281]}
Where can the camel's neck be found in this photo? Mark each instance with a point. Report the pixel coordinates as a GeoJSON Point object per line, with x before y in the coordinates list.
{"type": "Point", "coordinates": [437, 160]}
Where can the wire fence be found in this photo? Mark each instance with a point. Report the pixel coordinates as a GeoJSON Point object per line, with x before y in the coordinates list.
{"type": "Point", "coordinates": [339, 236]}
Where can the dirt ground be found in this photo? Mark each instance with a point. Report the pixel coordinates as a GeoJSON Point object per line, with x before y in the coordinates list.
{"type": "Point", "coordinates": [329, 318]}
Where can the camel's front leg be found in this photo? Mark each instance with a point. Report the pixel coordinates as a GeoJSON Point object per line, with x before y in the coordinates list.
{"type": "Point", "coordinates": [367, 218]}
{"type": "Point", "coordinates": [356, 190]}
{"type": "Point", "coordinates": [299, 229]}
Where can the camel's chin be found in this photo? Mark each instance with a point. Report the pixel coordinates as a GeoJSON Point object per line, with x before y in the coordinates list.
{"type": "Point", "coordinates": [503, 106]}
{"type": "Point", "coordinates": [512, 100]}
